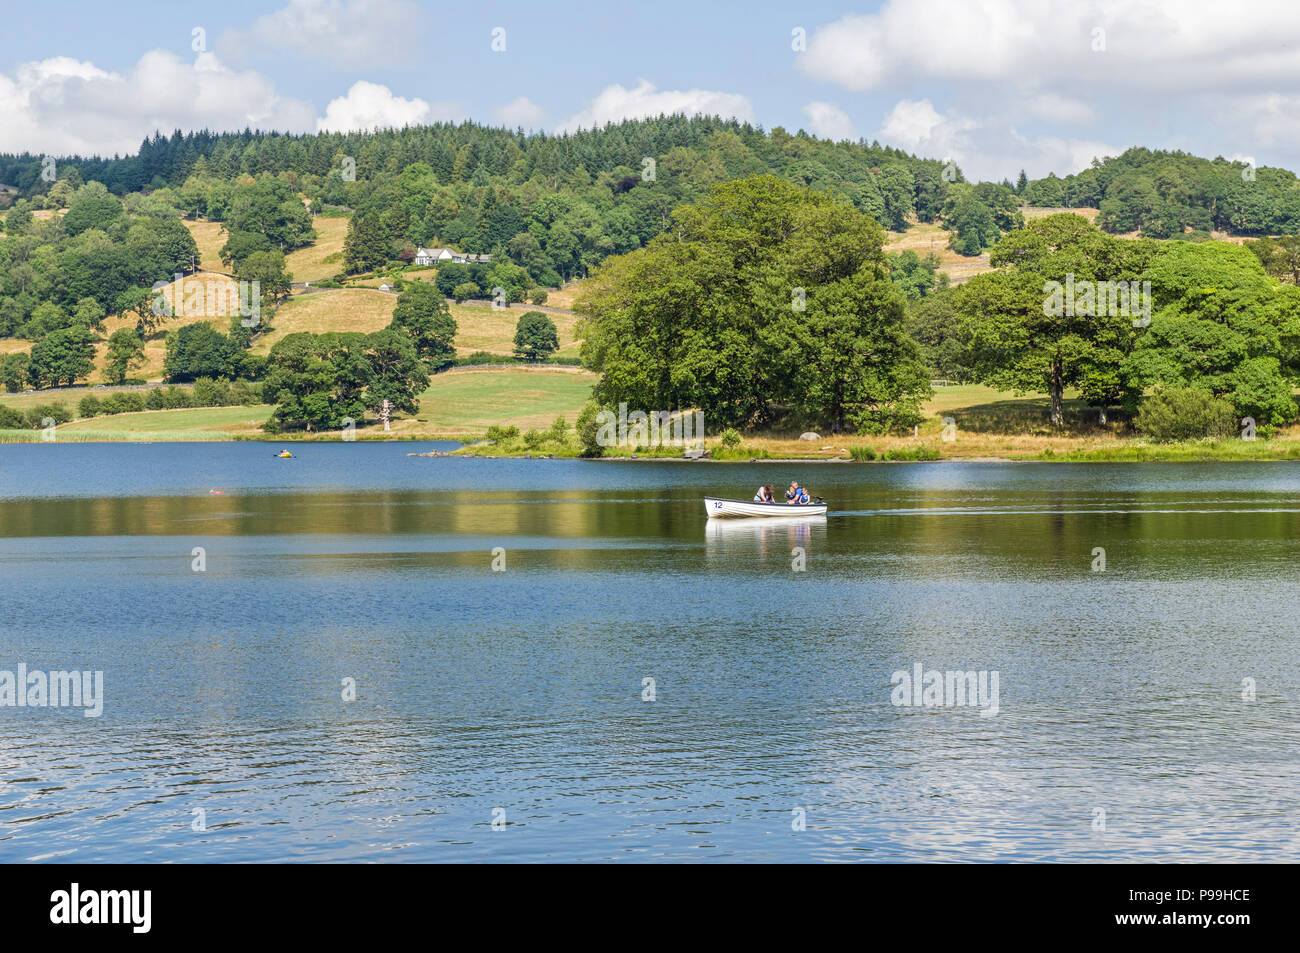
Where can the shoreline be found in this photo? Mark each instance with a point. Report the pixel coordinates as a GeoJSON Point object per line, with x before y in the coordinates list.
{"type": "Point", "coordinates": [1159, 453]}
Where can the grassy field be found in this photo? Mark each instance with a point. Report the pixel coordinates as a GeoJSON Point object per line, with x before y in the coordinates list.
{"type": "Point", "coordinates": [304, 264]}
{"type": "Point", "coordinates": [564, 297]}
{"type": "Point", "coordinates": [492, 330]}
{"type": "Point", "coordinates": [324, 257]}
{"type": "Point", "coordinates": [337, 309]}
{"type": "Point", "coordinates": [209, 237]}
{"type": "Point", "coordinates": [926, 238]}
{"type": "Point", "coordinates": [470, 399]}
{"type": "Point", "coordinates": [68, 396]}
{"type": "Point", "coordinates": [1030, 212]}
{"type": "Point", "coordinates": [214, 421]}
{"type": "Point", "coordinates": [988, 425]}
{"type": "Point", "coordinates": [361, 309]}
{"type": "Point", "coordinates": [200, 297]}
{"type": "Point", "coordinates": [460, 401]}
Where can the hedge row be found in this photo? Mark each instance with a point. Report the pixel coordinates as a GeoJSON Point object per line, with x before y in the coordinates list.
{"type": "Point", "coordinates": [204, 393]}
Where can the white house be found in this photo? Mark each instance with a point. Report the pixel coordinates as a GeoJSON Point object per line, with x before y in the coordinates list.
{"type": "Point", "coordinates": [436, 256]}
{"type": "Point", "coordinates": [432, 256]}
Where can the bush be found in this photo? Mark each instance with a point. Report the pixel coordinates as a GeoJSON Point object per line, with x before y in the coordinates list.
{"type": "Point", "coordinates": [175, 398]}
{"type": "Point", "coordinates": [912, 454]}
{"type": "Point", "coordinates": [123, 402]}
{"type": "Point", "coordinates": [888, 419]}
{"type": "Point", "coordinates": [36, 416]}
{"type": "Point", "coordinates": [559, 430]}
{"type": "Point", "coordinates": [862, 454]}
{"type": "Point", "coordinates": [588, 428]}
{"type": "Point", "coordinates": [730, 438]}
{"type": "Point", "coordinates": [498, 434]}
{"type": "Point", "coordinates": [1185, 413]}
{"type": "Point", "coordinates": [89, 406]}
{"type": "Point", "coordinates": [466, 290]}
{"type": "Point", "coordinates": [244, 394]}
{"type": "Point", "coordinates": [154, 399]}
{"type": "Point", "coordinates": [537, 296]}
{"type": "Point", "coordinates": [11, 419]}
{"type": "Point", "coordinates": [210, 393]}
{"type": "Point", "coordinates": [534, 438]}
{"type": "Point", "coordinates": [205, 392]}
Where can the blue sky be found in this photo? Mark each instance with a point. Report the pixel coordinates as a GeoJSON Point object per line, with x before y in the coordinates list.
{"type": "Point", "coordinates": [995, 84]}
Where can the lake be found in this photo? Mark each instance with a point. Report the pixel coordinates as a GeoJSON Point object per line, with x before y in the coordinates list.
{"type": "Point", "coordinates": [320, 663]}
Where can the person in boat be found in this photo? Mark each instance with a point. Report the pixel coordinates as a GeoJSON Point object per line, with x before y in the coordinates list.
{"type": "Point", "coordinates": [797, 495]}
{"type": "Point", "coordinates": [765, 495]}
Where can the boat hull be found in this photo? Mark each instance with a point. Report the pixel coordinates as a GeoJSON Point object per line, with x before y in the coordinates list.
{"type": "Point", "coordinates": [719, 509]}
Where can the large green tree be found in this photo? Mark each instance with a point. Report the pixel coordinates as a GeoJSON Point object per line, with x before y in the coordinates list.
{"type": "Point", "coordinates": [422, 313]}
{"type": "Point", "coordinates": [399, 374]}
{"type": "Point", "coordinates": [320, 381]}
{"type": "Point", "coordinates": [1028, 330]}
{"type": "Point", "coordinates": [62, 357]}
{"type": "Point", "coordinates": [125, 351]}
{"type": "Point", "coordinates": [364, 247]}
{"type": "Point", "coordinates": [1223, 326]}
{"type": "Point", "coordinates": [199, 350]}
{"type": "Point", "coordinates": [535, 337]}
{"type": "Point", "coordinates": [765, 294]}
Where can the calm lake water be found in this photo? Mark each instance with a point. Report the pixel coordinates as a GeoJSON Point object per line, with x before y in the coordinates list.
{"type": "Point", "coordinates": [1125, 728]}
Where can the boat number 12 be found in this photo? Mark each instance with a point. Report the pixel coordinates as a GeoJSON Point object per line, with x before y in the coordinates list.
{"type": "Point", "coordinates": [717, 504]}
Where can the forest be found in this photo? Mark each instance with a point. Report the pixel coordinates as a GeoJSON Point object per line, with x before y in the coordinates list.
{"type": "Point", "coordinates": [670, 203]}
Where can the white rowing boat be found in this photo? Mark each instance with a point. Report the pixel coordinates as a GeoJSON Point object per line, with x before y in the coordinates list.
{"type": "Point", "coordinates": [730, 509]}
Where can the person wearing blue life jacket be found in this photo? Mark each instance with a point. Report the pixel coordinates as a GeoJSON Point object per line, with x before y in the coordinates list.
{"type": "Point", "coordinates": [797, 495]}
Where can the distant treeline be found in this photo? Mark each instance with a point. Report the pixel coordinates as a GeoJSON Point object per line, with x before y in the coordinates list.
{"type": "Point", "coordinates": [545, 208]}
{"type": "Point", "coordinates": [1164, 194]}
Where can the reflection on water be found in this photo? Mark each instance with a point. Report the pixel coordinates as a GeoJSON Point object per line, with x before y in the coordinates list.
{"type": "Point", "coordinates": [756, 539]}
{"type": "Point", "coordinates": [1121, 691]}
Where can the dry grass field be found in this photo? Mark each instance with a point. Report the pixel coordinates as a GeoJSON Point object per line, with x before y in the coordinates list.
{"type": "Point", "coordinates": [335, 309]}
{"type": "Point", "coordinates": [564, 297]}
{"type": "Point", "coordinates": [209, 237]}
{"type": "Point", "coordinates": [317, 261]}
{"type": "Point", "coordinates": [1030, 212]}
{"type": "Point", "coordinates": [925, 239]}
{"type": "Point", "coordinates": [493, 330]}
{"type": "Point", "coordinates": [195, 298]}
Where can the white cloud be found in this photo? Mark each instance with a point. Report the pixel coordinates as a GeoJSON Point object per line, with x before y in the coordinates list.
{"type": "Point", "coordinates": [1165, 44]}
{"type": "Point", "coordinates": [1182, 74]}
{"type": "Point", "coordinates": [372, 106]}
{"type": "Point", "coordinates": [617, 102]}
{"type": "Point", "coordinates": [987, 149]}
{"type": "Point", "coordinates": [828, 121]}
{"type": "Point", "coordinates": [346, 33]}
{"type": "Point", "coordinates": [1258, 120]}
{"type": "Point", "coordinates": [62, 106]}
{"type": "Point", "coordinates": [915, 125]}
{"type": "Point", "coordinates": [520, 112]}
{"type": "Point", "coordinates": [1051, 107]}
